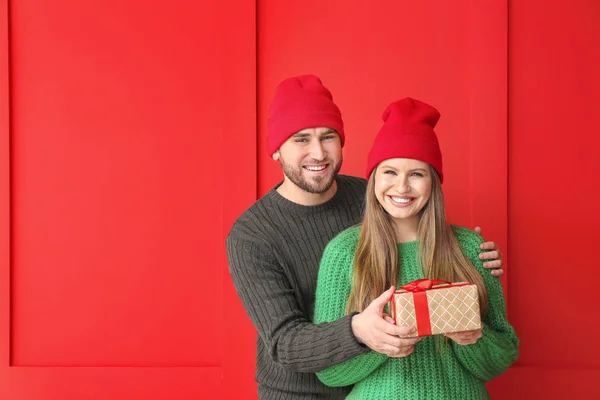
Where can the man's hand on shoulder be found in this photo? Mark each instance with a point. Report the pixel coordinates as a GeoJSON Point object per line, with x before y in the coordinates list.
{"type": "Point", "coordinates": [491, 256]}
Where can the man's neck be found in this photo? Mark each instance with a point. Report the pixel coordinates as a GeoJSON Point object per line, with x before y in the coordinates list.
{"type": "Point", "coordinates": [297, 195]}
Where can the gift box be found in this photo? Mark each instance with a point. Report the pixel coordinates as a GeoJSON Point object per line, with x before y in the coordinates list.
{"type": "Point", "coordinates": [436, 306]}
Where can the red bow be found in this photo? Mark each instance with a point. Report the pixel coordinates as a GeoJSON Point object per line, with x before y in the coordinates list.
{"type": "Point", "coordinates": [421, 285]}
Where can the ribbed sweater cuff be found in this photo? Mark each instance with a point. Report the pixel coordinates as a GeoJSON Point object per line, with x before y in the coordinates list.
{"type": "Point", "coordinates": [349, 341]}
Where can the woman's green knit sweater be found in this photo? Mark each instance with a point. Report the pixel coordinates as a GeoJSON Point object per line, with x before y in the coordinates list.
{"type": "Point", "coordinates": [450, 372]}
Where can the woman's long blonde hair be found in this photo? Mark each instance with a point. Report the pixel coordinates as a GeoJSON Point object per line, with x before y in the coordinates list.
{"type": "Point", "coordinates": [376, 265]}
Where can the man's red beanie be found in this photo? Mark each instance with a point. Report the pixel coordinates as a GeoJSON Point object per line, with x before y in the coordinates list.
{"type": "Point", "coordinates": [407, 132]}
{"type": "Point", "coordinates": [301, 102]}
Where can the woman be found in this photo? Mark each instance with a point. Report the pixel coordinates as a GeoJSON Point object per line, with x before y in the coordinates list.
{"type": "Point", "coordinates": [404, 237]}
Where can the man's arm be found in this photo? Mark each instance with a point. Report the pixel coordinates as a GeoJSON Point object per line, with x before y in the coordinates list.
{"type": "Point", "coordinates": [331, 303]}
{"type": "Point", "coordinates": [268, 297]}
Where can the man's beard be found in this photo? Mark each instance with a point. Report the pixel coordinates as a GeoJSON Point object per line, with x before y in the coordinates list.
{"type": "Point", "coordinates": [317, 184]}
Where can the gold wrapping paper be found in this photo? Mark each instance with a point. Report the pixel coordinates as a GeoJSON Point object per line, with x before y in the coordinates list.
{"type": "Point", "coordinates": [451, 309]}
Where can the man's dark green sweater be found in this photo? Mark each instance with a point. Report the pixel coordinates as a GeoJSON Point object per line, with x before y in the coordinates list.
{"type": "Point", "coordinates": [274, 250]}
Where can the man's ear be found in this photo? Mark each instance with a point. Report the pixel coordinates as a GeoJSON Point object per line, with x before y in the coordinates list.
{"type": "Point", "coordinates": [276, 155]}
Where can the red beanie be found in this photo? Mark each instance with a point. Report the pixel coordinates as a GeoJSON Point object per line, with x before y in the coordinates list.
{"type": "Point", "coordinates": [301, 102]}
{"type": "Point", "coordinates": [407, 132]}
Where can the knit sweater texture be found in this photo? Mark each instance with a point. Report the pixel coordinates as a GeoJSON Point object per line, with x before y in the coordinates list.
{"type": "Point", "coordinates": [449, 371]}
{"type": "Point", "coordinates": [274, 249]}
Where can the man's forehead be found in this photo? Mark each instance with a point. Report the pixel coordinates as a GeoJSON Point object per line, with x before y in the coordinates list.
{"type": "Point", "coordinates": [318, 131]}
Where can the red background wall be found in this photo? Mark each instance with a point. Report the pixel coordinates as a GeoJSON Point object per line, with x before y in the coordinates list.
{"type": "Point", "coordinates": [554, 96]}
{"type": "Point", "coordinates": [132, 137]}
{"type": "Point", "coordinates": [116, 196]}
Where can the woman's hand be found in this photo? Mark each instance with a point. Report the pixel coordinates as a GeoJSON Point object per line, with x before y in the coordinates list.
{"type": "Point", "coordinates": [465, 338]}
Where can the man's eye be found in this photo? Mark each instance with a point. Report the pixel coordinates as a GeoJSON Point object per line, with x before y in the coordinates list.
{"type": "Point", "coordinates": [301, 140]}
{"type": "Point", "coordinates": [328, 137]}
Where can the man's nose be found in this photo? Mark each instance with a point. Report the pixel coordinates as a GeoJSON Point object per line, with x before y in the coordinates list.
{"type": "Point", "coordinates": [317, 151]}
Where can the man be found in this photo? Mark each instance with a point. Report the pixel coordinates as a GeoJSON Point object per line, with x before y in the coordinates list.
{"type": "Point", "coordinates": [275, 246]}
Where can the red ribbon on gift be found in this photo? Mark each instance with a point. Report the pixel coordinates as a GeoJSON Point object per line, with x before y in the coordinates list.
{"type": "Point", "coordinates": [422, 284]}
{"type": "Point", "coordinates": [419, 290]}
